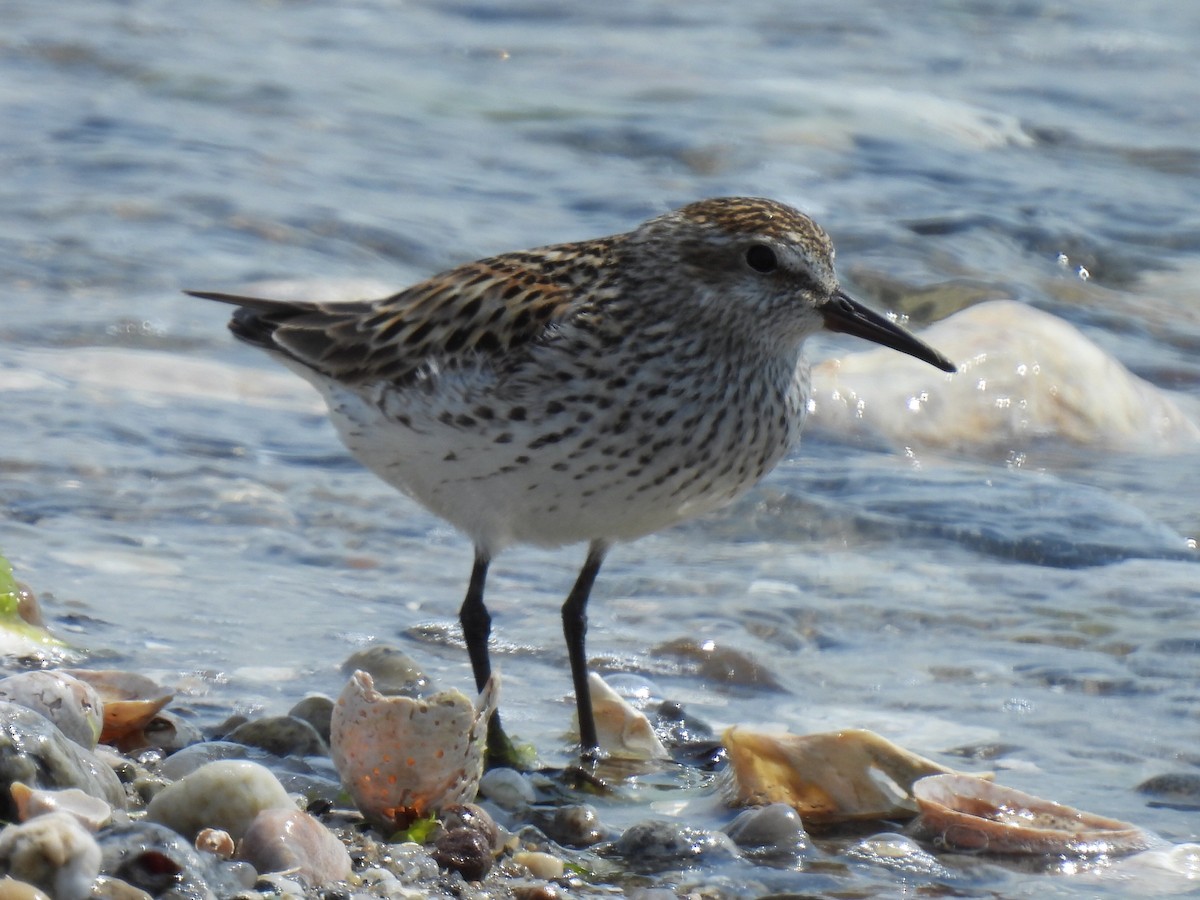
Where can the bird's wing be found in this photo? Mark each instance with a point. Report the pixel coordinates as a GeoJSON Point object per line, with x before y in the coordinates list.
{"type": "Point", "coordinates": [479, 311]}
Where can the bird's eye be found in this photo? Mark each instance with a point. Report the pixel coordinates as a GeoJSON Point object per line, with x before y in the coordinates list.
{"type": "Point", "coordinates": [761, 258]}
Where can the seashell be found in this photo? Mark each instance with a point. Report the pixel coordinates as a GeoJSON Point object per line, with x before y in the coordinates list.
{"type": "Point", "coordinates": [292, 841]}
{"type": "Point", "coordinates": [53, 852]}
{"type": "Point", "coordinates": [401, 758]}
{"type": "Point", "coordinates": [831, 777]}
{"type": "Point", "coordinates": [71, 704]}
{"type": "Point", "coordinates": [965, 813]}
{"type": "Point", "coordinates": [91, 812]}
{"type": "Point", "coordinates": [624, 732]}
{"type": "Point", "coordinates": [227, 794]}
{"type": "Point", "coordinates": [217, 842]}
{"type": "Point", "coordinates": [131, 701]}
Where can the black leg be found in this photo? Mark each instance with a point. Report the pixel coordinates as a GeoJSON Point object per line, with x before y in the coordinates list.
{"type": "Point", "coordinates": [477, 628]}
{"type": "Point", "coordinates": [477, 621]}
{"type": "Point", "coordinates": [574, 616]}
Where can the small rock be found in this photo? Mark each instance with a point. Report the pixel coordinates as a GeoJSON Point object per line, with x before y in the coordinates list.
{"type": "Point", "coordinates": [769, 831]}
{"type": "Point", "coordinates": [540, 865]}
{"type": "Point", "coordinates": [466, 851]}
{"type": "Point", "coordinates": [658, 844]}
{"type": "Point", "coordinates": [73, 705]}
{"type": "Point", "coordinates": [280, 840]}
{"type": "Point", "coordinates": [475, 817]}
{"type": "Point", "coordinates": [281, 736]}
{"type": "Point", "coordinates": [393, 671]}
{"type": "Point", "coordinates": [34, 752]}
{"type": "Point", "coordinates": [316, 710]}
{"type": "Point", "coordinates": [507, 788]}
{"type": "Point", "coordinates": [226, 795]}
{"type": "Point", "coordinates": [53, 852]}
{"type": "Point", "coordinates": [1175, 790]}
{"type": "Point", "coordinates": [155, 859]}
{"type": "Point", "coordinates": [576, 825]}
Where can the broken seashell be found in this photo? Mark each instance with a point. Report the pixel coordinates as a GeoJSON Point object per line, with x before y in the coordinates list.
{"type": "Point", "coordinates": [91, 812]}
{"type": "Point", "coordinates": [831, 777]}
{"type": "Point", "coordinates": [624, 732]}
{"type": "Point", "coordinates": [131, 701]}
{"type": "Point", "coordinates": [401, 758]}
{"type": "Point", "coordinates": [966, 813]}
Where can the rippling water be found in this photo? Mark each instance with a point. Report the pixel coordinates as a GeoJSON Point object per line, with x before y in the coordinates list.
{"type": "Point", "coordinates": [187, 510]}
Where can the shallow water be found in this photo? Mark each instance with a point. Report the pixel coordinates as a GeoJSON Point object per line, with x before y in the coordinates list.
{"type": "Point", "coordinates": [1044, 598]}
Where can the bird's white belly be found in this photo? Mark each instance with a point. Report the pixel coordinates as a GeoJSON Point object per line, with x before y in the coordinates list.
{"type": "Point", "coordinates": [551, 484]}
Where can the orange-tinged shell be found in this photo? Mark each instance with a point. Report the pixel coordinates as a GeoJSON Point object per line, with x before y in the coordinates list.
{"type": "Point", "coordinates": [401, 758]}
{"type": "Point", "coordinates": [131, 701]}
{"type": "Point", "coordinates": [966, 813]}
{"type": "Point", "coordinates": [832, 777]}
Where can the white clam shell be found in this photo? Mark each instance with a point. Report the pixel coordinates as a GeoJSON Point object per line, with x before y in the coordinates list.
{"type": "Point", "coordinates": [401, 758]}
{"type": "Point", "coordinates": [623, 732]}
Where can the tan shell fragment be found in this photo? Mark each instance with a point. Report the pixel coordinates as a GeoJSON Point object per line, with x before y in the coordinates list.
{"type": "Point", "coordinates": [131, 702]}
{"type": "Point", "coordinates": [401, 758]}
{"type": "Point", "coordinates": [624, 732]}
{"type": "Point", "coordinates": [966, 813]}
{"type": "Point", "coordinates": [831, 777]}
{"type": "Point", "coordinates": [91, 812]}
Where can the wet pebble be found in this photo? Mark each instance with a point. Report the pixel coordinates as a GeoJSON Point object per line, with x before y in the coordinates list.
{"type": "Point", "coordinates": [72, 705]}
{"type": "Point", "coordinates": [393, 671]}
{"type": "Point", "coordinates": [507, 788]}
{"type": "Point", "coordinates": [899, 853]}
{"type": "Point", "coordinates": [35, 752]}
{"type": "Point", "coordinates": [769, 831]}
{"type": "Point", "coordinates": [54, 852]}
{"type": "Point", "coordinates": [226, 795]}
{"type": "Point", "coordinates": [316, 710]}
{"type": "Point", "coordinates": [280, 840]}
{"type": "Point", "coordinates": [475, 817]}
{"type": "Point", "coordinates": [466, 851]}
{"type": "Point", "coordinates": [280, 736]}
{"type": "Point", "coordinates": [658, 844]}
{"type": "Point", "coordinates": [576, 825]}
{"type": "Point", "coordinates": [715, 663]}
{"type": "Point", "coordinates": [540, 865]}
{"type": "Point", "coordinates": [155, 859]}
{"type": "Point", "coordinates": [1176, 790]}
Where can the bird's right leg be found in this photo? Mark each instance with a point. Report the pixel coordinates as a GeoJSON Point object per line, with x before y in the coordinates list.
{"type": "Point", "coordinates": [477, 629]}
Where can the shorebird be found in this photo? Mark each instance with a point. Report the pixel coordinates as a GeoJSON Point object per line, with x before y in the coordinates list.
{"type": "Point", "coordinates": [590, 392]}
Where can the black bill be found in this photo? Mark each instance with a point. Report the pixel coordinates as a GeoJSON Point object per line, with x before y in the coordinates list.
{"type": "Point", "coordinates": [848, 316]}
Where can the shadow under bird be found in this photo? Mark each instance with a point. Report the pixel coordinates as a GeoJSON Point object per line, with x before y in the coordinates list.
{"type": "Point", "coordinates": [587, 392]}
